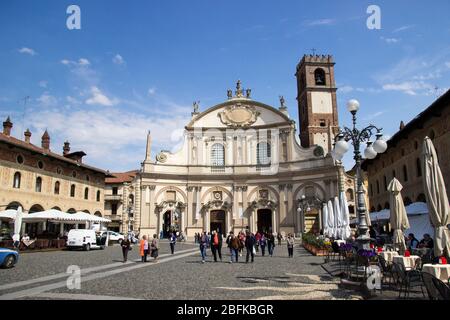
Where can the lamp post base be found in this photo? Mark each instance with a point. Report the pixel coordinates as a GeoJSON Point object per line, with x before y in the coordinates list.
{"type": "Point", "coordinates": [363, 242]}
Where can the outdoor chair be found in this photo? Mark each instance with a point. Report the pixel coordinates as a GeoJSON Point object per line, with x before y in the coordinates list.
{"type": "Point", "coordinates": [432, 291]}
{"type": "Point", "coordinates": [442, 288]}
{"type": "Point", "coordinates": [386, 269]}
{"type": "Point", "coordinates": [405, 280]}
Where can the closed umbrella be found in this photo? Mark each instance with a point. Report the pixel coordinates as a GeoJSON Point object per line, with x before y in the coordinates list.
{"type": "Point", "coordinates": [437, 200]}
{"type": "Point", "coordinates": [325, 219]}
{"type": "Point", "coordinates": [399, 219]}
{"type": "Point", "coordinates": [337, 218]}
{"type": "Point", "coordinates": [368, 221]}
{"type": "Point", "coordinates": [331, 225]}
{"type": "Point", "coordinates": [345, 216]}
{"type": "Point", "coordinates": [18, 224]}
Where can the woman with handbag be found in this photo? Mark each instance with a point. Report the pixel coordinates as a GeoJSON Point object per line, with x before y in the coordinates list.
{"type": "Point", "coordinates": [154, 247]}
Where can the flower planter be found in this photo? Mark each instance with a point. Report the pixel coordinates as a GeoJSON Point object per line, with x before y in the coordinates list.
{"type": "Point", "coordinates": [314, 250]}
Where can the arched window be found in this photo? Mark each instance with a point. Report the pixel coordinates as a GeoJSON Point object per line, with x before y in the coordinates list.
{"type": "Point", "coordinates": [418, 168]}
{"type": "Point", "coordinates": [38, 184]}
{"type": "Point", "coordinates": [217, 155]}
{"type": "Point", "coordinates": [98, 196]}
{"type": "Point", "coordinates": [263, 154]}
{"type": "Point", "coordinates": [72, 190]}
{"type": "Point", "coordinates": [350, 194]}
{"type": "Point", "coordinates": [131, 199]}
{"type": "Point", "coordinates": [405, 173]}
{"type": "Point", "coordinates": [319, 77]}
{"type": "Point", "coordinates": [86, 193]}
{"type": "Point", "coordinates": [16, 181]}
{"type": "Point", "coordinates": [57, 185]}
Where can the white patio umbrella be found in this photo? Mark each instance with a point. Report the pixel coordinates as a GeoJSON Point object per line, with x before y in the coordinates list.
{"type": "Point", "coordinates": [8, 214]}
{"type": "Point", "coordinates": [331, 225]}
{"type": "Point", "coordinates": [399, 219]}
{"type": "Point", "coordinates": [337, 218]}
{"type": "Point", "coordinates": [325, 219]}
{"type": "Point", "coordinates": [17, 224]}
{"type": "Point", "coordinates": [345, 216]}
{"type": "Point", "coordinates": [368, 221]}
{"type": "Point", "coordinates": [437, 200]}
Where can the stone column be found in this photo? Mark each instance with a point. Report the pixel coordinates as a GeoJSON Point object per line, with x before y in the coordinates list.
{"type": "Point", "coordinates": [274, 221]}
{"type": "Point", "coordinates": [290, 206]}
{"type": "Point", "coordinates": [283, 204]}
{"type": "Point", "coordinates": [190, 206]}
{"type": "Point", "coordinates": [151, 205]}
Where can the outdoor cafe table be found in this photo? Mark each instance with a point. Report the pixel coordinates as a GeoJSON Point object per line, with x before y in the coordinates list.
{"type": "Point", "coordinates": [440, 271]}
{"type": "Point", "coordinates": [408, 262]}
{"type": "Point", "coordinates": [339, 242]}
{"type": "Point", "coordinates": [388, 255]}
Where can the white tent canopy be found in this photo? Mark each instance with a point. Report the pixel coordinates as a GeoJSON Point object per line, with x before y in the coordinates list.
{"type": "Point", "coordinates": [416, 208]}
{"type": "Point", "coordinates": [55, 216]}
{"type": "Point", "coordinates": [83, 216]}
{"type": "Point", "coordinates": [8, 214]}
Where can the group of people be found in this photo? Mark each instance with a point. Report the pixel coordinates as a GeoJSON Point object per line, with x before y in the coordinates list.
{"type": "Point", "coordinates": [236, 244]}
{"type": "Point", "coordinates": [146, 247]}
{"type": "Point", "coordinates": [413, 243]}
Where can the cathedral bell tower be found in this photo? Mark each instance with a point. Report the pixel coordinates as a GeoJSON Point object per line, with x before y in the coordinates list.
{"type": "Point", "coordinates": [317, 106]}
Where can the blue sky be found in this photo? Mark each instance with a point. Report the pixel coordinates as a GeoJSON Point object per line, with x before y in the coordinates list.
{"type": "Point", "coordinates": [139, 65]}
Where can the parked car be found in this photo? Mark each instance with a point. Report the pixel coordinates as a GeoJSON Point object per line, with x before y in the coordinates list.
{"type": "Point", "coordinates": [84, 239]}
{"type": "Point", "coordinates": [114, 236]}
{"type": "Point", "coordinates": [8, 258]}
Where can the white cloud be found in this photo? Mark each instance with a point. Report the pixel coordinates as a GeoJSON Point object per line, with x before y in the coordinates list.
{"type": "Point", "coordinates": [408, 87]}
{"type": "Point", "coordinates": [47, 100]}
{"type": "Point", "coordinates": [83, 62]}
{"type": "Point", "coordinates": [118, 59]}
{"type": "Point", "coordinates": [346, 89]}
{"type": "Point", "coordinates": [402, 28]}
{"type": "Point", "coordinates": [390, 40]}
{"type": "Point", "coordinates": [66, 62]}
{"type": "Point", "coordinates": [113, 140]}
{"type": "Point", "coordinates": [43, 84]}
{"type": "Point", "coordinates": [320, 22]}
{"type": "Point", "coordinates": [98, 98]}
{"type": "Point", "coordinates": [29, 51]}
{"type": "Point", "coordinates": [151, 91]}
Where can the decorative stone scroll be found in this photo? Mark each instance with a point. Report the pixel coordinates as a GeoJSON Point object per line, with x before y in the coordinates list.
{"type": "Point", "coordinates": [239, 115]}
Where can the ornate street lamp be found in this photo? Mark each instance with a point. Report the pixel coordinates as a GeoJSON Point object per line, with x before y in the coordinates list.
{"type": "Point", "coordinates": [341, 146]}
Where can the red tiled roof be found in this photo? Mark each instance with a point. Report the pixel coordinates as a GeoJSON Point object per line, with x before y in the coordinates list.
{"type": "Point", "coordinates": [121, 177]}
{"type": "Point", "coordinates": [31, 147]}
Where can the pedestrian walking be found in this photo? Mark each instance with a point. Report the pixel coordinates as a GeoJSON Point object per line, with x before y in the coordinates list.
{"type": "Point", "coordinates": [143, 248]}
{"type": "Point", "coordinates": [279, 238]}
{"type": "Point", "coordinates": [154, 247]}
{"type": "Point", "coordinates": [290, 245]}
{"type": "Point", "coordinates": [257, 238]}
{"type": "Point", "coordinates": [233, 245]}
{"type": "Point", "coordinates": [263, 244]}
{"type": "Point", "coordinates": [250, 246]}
{"type": "Point", "coordinates": [173, 241]}
{"type": "Point", "coordinates": [270, 243]}
{"type": "Point", "coordinates": [216, 245]}
{"type": "Point", "coordinates": [241, 242]}
{"type": "Point", "coordinates": [126, 246]}
{"type": "Point", "coordinates": [203, 245]}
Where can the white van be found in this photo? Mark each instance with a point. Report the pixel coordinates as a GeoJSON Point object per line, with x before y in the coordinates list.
{"type": "Point", "coordinates": [84, 239]}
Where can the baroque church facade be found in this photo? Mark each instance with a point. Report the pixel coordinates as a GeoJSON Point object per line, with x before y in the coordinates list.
{"type": "Point", "coordinates": [242, 165]}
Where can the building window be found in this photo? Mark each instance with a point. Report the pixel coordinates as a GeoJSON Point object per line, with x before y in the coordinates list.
{"type": "Point", "coordinates": [416, 144]}
{"type": "Point", "coordinates": [58, 170]}
{"type": "Point", "coordinates": [418, 168]}
{"type": "Point", "coordinates": [19, 159]}
{"type": "Point", "coordinates": [98, 196]}
{"type": "Point", "coordinates": [393, 174]}
{"type": "Point", "coordinates": [114, 208]}
{"type": "Point", "coordinates": [57, 184]}
{"type": "Point", "coordinates": [350, 194]}
{"type": "Point", "coordinates": [72, 190]}
{"type": "Point", "coordinates": [351, 209]}
{"type": "Point", "coordinates": [74, 174]}
{"type": "Point", "coordinates": [16, 181]}
{"type": "Point", "coordinates": [319, 77]}
{"type": "Point", "coordinates": [114, 191]}
{"type": "Point", "coordinates": [405, 173]}
{"type": "Point", "coordinates": [263, 154]}
{"type": "Point", "coordinates": [217, 155]}
{"type": "Point", "coordinates": [87, 177]}
{"type": "Point", "coordinates": [86, 193]}
{"type": "Point", "coordinates": [40, 164]}
{"type": "Point", "coordinates": [322, 123]}
{"type": "Point", "coordinates": [38, 184]}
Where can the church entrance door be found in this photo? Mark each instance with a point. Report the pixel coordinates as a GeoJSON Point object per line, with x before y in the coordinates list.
{"type": "Point", "coordinates": [217, 221]}
{"type": "Point", "coordinates": [264, 220]}
{"type": "Point", "coordinates": [167, 219]}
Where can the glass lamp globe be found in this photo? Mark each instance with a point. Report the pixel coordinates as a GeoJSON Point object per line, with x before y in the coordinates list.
{"type": "Point", "coordinates": [341, 147]}
{"type": "Point", "coordinates": [353, 105]}
{"type": "Point", "coordinates": [380, 145]}
{"type": "Point", "coordinates": [336, 156]}
{"type": "Point", "coordinates": [370, 153]}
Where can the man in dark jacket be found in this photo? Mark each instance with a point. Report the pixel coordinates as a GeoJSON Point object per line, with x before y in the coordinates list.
{"type": "Point", "coordinates": [216, 244]}
{"type": "Point", "coordinates": [249, 245]}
